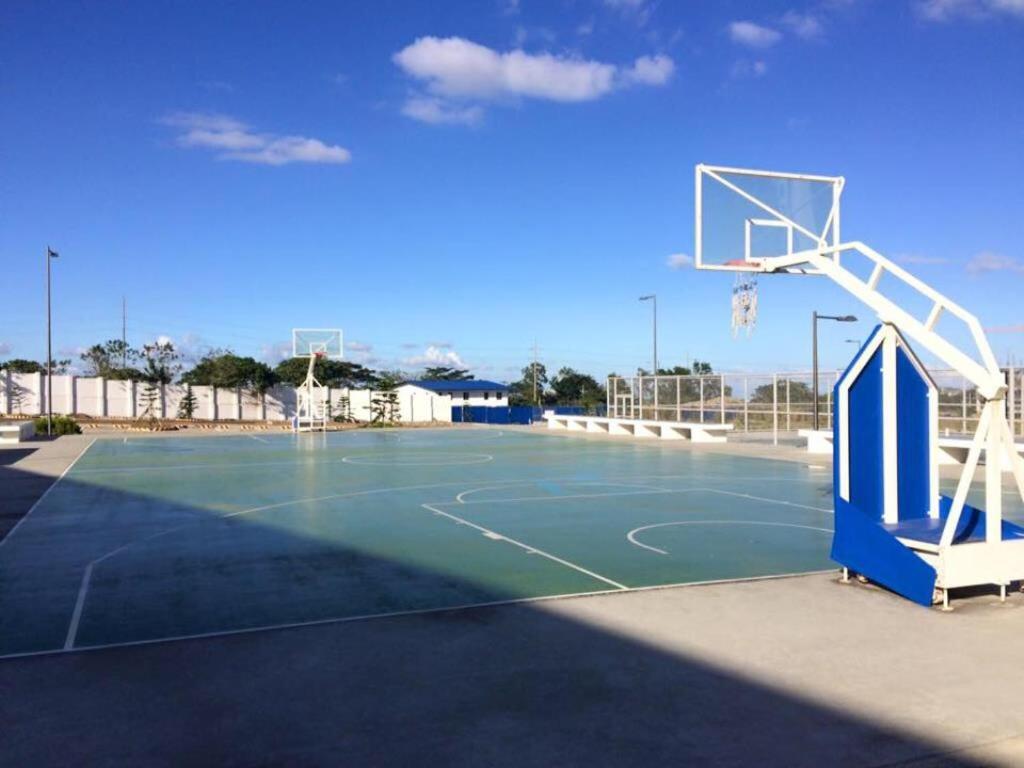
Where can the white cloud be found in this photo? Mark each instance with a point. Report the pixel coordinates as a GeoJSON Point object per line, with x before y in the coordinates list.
{"type": "Point", "coordinates": [804, 25]}
{"type": "Point", "coordinates": [917, 258]}
{"type": "Point", "coordinates": [358, 346]}
{"type": "Point", "coordinates": [745, 68]}
{"type": "Point", "coordinates": [679, 261]}
{"type": "Point", "coordinates": [947, 10]}
{"type": "Point", "coordinates": [275, 352]}
{"type": "Point", "coordinates": [436, 356]}
{"type": "Point", "coordinates": [458, 74]}
{"type": "Point", "coordinates": [5, 348]}
{"type": "Point", "coordinates": [638, 11]}
{"type": "Point", "coordinates": [430, 109]}
{"type": "Point", "coordinates": [651, 70]}
{"type": "Point", "coordinates": [1005, 329]}
{"type": "Point", "coordinates": [753, 35]}
{"type": "Point", "coordinates": [234, 140]}
{"type": "Point", "coordinates": [456, 67]}
{"type": "Point", "coordinates": [988, 261]}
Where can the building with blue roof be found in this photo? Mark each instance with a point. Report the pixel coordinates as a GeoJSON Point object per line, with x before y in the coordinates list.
{"type": "Point", "coordinates": [472, 392]}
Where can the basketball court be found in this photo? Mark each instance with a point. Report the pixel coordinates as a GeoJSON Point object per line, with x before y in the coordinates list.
{"type": "Point", "coordinates": [148, 539]}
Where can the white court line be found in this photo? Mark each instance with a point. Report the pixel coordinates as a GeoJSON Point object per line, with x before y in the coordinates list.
{"type": "Point", "coordinates": [260, 439]}
{"type": "Point", "coordinates": [632, 534]}
{"type": "Point", "coordinates": [653, 491]}
{"type": "Point", "coordinates": [530, 550]}
{"type": "Point", "coordinates": [461, 498]}
{"type": "Point", "coordinates": [46, 493]}
{"type": "Point", "coordinates": [411, 612]}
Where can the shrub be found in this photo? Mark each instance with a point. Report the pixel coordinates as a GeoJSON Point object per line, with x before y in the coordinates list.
{"type": "Point", "coordinates": [61, 425]}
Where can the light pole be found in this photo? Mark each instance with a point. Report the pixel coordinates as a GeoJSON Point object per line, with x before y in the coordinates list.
{"type": "Point", "coordinates": [50, 254]}
{"type": "Point", "coordinates": [815, 317]}
{"type": "Point", "coordinates": [653, 298]}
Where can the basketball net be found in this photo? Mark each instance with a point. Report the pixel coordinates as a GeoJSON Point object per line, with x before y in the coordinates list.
{"type": "Point", "coordinates": [744, 303]}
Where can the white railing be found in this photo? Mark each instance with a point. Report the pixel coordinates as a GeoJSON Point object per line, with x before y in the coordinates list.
{"type": "Point", "coordinates": [783, 402]}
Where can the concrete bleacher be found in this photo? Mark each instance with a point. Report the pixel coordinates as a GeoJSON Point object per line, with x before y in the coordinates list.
{"type": "Point", "coordinates": [647, 428]}
{"type": "Point", "coordinates": [17, 431]}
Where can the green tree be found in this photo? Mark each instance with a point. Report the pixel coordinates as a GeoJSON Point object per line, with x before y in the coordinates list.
{"type": "Point", "coordinates": [331, 373]}
{"type": "Point", "coordinates": [384, 406]}
{"type": "Point", "coordinates": [113, 359]}
{"type": "Point", "coordinates": [442, 373]}
{"type": "Point", "coordinates": [522, 392]}
{"type": "Point", "coordinates": [189, 404]}
{"type": "Point", "coordinates": [160, 367]}
{"type": "Point", "coordinates": [342, 410]}
{"type": "Point", "coordinates": [573, 387]}
{"type": "Point", "coordinates": [18, 365]}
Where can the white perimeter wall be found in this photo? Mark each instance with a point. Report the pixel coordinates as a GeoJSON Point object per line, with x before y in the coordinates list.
{"type": "Point", "coordinates": [25, 394]}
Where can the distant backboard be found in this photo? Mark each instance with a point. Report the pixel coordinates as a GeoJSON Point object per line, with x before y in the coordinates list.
{"type": "Point", "coordinates": [744, 217]}
{"type": "Point", "coordinates": [325, 342]}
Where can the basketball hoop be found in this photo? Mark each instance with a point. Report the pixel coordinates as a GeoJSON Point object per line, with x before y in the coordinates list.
{"type": "Point", "coordinates": [744, 302]}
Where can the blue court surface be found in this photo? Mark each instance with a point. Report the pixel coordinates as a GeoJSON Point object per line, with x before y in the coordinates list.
{"type": "Point", "coordinates": [148, 539]}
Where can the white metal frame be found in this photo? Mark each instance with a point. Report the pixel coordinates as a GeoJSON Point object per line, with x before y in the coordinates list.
{"type": "Point", "coordinates": [995, 561]}
{"type": "Point", "coordinates": [314, 343]}
{"type": "Point", "coordinates": [888, 339]}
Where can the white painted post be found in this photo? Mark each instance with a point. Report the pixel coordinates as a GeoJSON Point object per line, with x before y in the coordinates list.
{"type": "Point", "coordinates": [788, 421]}
{"type": "Point", "coordinates": [238, 403]}
{"type": "Point", "coordinates": [679, 401]}
{"type": "Point", "coordinates": [213, 403]}
{"type": "Point", "coordinates": [701, 380]}
{"type": "Point", "coordinates": [101, 397]}
{"type": "Point", "coordinates": [890, 459]}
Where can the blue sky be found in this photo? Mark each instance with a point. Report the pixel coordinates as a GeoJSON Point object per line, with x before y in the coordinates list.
{"type": "Point", "coordinates": [452, 181]}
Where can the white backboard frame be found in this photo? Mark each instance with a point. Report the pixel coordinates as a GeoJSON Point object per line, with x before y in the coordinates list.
{"type": "Point", "coordinates": [327, 342]}
{"type": "Point", "coordinates": [828, 238]}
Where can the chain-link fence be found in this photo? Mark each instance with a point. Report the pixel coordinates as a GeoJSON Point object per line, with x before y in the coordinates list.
{"type": "Point", "coordinates": [784, 402]}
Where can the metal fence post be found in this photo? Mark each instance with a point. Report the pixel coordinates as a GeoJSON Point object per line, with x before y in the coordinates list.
{"type": "Point", "coordinates": [746, 404]}
{"type": "Point", "coordinates": [775, 409]}
{"type": "Point", "coordinates": [963, 406]}
{"type": "Point", "coordinates": [721, 396]}
{"type": "Point", "coordinates": [789, 425]}
{"type": "Point", "coordinates": [679, 401]}
{"type": "Point", "coordinates": [701, 399]}
{"type": "Point", "coordinates": [657, 386]}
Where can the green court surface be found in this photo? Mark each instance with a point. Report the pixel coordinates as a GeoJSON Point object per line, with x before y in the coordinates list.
{"type": "Point", "coordinates": [149, 539]}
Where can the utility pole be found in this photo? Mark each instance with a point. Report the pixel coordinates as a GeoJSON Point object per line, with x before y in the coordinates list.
{"type": "Point", "coordinates": [50, 254]}
{"type": "Point", "coordinates": [124, 333]}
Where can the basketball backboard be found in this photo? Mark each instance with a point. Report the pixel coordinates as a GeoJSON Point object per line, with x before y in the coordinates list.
{"type": "Point", "coordinates": [322, 342]}
{"type": "Point", "coordinates": [745, 217]}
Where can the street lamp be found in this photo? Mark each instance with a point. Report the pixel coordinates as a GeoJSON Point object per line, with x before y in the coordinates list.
{"type": "Point", "coordinates": [50, 254]}
{"type": "Point", "coordinates": [654, 300]}
{"type": "Point", "coordinates": [815, 317]}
